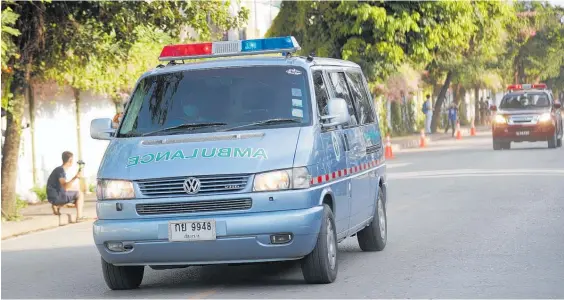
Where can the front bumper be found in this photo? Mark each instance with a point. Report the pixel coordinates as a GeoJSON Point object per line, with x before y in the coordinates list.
{"type": "Point", "coordinates": [241, 238]}
{"type": "Point", "coordinates": [523, 133]}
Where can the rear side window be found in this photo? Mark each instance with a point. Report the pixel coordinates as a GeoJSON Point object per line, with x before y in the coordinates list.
{"type": "Point", "coordinates": [341, 90]}
{"type": "Point", "coordinates": [361, 100]}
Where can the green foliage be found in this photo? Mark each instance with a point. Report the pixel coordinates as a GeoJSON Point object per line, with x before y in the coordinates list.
{"type": "Point", "coordinates": [9, 49]}
{"type": "Point", "coordinates": [105, 46]}
{"type": "Point", "coordinates": [379, 36]}
{"type": "Point", "coordinates": [41, 193]}
{"type": "Point", "coordinates": [92, 188]}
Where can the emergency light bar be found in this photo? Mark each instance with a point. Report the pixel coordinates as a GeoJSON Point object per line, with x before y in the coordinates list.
{"type": "Point", "coordinates": [516, 87]}
{"type": "Point", "coordinates": [230, 48]}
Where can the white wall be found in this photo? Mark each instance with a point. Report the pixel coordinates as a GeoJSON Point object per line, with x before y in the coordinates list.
{"type": "Point", "coordinates": [55, 132]}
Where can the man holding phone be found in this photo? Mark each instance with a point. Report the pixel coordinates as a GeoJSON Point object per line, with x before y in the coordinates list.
{"type": "Point", "coordinates": [59, 191]}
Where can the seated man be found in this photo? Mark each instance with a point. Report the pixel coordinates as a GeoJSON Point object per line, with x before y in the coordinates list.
{"type": "Point", "coordinates": [58, 188]}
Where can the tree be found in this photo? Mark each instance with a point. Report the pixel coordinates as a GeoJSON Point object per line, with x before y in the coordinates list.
{"type": "Point", "coordinates": [80, 43]}
{"type": "Point", "coordinates": [379, 36]}
{"type": "Point", "coordinates": [485, 42]}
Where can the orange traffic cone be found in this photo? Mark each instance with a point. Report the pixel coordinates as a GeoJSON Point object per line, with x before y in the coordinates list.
{"type": "Point", "coordinates": [473, 129]}
{"type": "Point", "coordinates": [458, 132]}
{"type": "Point", "coordinates": [388, 151]}
{"type": "Point", "coordinates": [422, 140]}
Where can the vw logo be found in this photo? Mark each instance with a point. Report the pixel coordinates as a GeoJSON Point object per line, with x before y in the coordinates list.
{"type": "Point", "coordinates": [191, 185]}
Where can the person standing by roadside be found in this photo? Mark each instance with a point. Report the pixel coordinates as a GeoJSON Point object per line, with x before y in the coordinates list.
{"type": "Point", "coordinates": [452, 118]}
{"type": "Point", "coordinates": [428, 111]}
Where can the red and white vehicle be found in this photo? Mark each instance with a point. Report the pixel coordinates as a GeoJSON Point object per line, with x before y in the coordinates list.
{"type": "Point", "coordinates": [527, 113]}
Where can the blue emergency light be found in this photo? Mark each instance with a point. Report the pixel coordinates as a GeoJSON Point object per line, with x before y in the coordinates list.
{"type": "Point", "coordinates": [286, 44]}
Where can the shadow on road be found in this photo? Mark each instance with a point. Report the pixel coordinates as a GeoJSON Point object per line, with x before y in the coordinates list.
{"type": "Point", "coordinates": [57, 272]}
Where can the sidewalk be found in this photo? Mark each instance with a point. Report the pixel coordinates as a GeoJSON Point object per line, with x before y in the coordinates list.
{"type": "Point", "coordinates": [409, 142]}
{"type": "Point", "coordinates": [40, 217]}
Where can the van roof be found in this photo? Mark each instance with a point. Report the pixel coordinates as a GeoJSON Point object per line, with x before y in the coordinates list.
{"type": "Point", "coordinates": [252, 61]}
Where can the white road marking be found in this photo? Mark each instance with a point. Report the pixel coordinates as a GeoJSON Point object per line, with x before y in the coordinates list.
{"type": "Point", "coordinates": [476, 173]}
{"type": "Point", "coordinates": [396, 165]}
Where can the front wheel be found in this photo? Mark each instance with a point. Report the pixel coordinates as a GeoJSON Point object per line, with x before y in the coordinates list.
{"type": "Point", "coordinates": [374, 236]}
{"type": "Point", "coordinates": [553, 141]}
{"type": "Point", "coordinates": [497, 145]}
{"type": "Point", "coordinates": [320, 266]}
{"type": "Point", "coordinates": [122, 277]}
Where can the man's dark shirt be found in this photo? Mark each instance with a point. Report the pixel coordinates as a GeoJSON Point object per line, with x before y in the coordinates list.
{"type": "Point", "coordinates": [54, 188]}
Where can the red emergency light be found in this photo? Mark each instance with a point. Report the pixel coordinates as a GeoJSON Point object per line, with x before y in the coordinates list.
{"type": "Point", "coordinates": [180, 51]}
{"type": "Point", "coordinates": [516, 87]}
{"type": "Point", "coordinates": [540, 86]}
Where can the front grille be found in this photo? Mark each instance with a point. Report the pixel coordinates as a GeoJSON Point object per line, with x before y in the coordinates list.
{"type": "Point", "coordinates": [193, 207]}
{"type": "Point", "coordinates": [522, 119]}
{"type": "Point", "coordinates": [173, 187]}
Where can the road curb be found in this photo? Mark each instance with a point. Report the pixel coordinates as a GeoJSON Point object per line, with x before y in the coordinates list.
{"type": "Point", "coordinates": [413, 142]}
{"type": "Point", "coordinates": [36, 224]}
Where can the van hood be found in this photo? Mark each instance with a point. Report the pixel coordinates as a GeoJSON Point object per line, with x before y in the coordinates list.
{"type": "Point", "coordinates": [242, 152]}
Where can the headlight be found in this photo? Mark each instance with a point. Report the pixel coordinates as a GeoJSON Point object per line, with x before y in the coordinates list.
{"type": "Point", "coordinates": [297, 178]}
{"type": "Point", "coordinates": [114, 189]}
{"type": "Point", "coordinates": [546, 117]}
{"type": "Point", "coordinates": [500, 119]}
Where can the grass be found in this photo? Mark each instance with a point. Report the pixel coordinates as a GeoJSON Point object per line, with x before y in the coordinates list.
{"type": "Point", "coordinates": [41, 193]}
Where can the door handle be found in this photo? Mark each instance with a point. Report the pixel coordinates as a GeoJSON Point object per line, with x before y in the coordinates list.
{"type": "Point", "coordinates": [346, 142]}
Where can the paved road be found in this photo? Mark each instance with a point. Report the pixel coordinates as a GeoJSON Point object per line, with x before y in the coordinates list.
{"type": "Point", "coordinates": [465, 222]}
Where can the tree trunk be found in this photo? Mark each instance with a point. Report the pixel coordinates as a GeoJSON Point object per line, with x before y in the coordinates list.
{"type": "Point", "coordinates": [478, 120]}
{"type": "Point", "coordinates": [31, 102]}
{"type": "Point", "coordinates": [11, 149]}
{"type": "Point", "coordinates": [439, 103]}
{"type": "Point", "coordinates": [82, 181]}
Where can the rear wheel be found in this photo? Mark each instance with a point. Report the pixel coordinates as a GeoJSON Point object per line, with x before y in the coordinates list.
{"type": "Point", "coordinates": [506, 145]}
{"type": "Point", "coordinates": [497, 145]}
{"type": "Point", "coordinates": [320, 266]}
{"type": "Point", "coordinates": [122, 277]}
{"type": "Point", "coordinates": [374, 236]}
{"type": "Point", "coordinates": [559, 142]}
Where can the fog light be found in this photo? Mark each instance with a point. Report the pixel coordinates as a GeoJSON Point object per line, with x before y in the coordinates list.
{"type": "Point", "coordinates": [115, 246]}
{"type": "Point", "coordinates": [282, 238]}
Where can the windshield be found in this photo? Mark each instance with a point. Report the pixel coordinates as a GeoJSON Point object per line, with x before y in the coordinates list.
{"type": "Point", "coordinates": [218, 99]}
{"type": "Point", "coordinates": [525, 101]}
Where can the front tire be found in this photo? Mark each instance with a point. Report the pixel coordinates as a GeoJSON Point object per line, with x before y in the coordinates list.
{"type": "Point", "coordinates": [374, 236]}
{"type": "Point", "coordinates": [320, 266]}
{"type": "Point", "coordinates": [553, 141]}
{"type": "Point", "coordinates": [122, 277]}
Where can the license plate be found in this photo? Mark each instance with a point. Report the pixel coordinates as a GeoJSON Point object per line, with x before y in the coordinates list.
{"type": "Point", "coordinates": [187, 231]}
{"type": "Point", "coordinates": [520, 133]}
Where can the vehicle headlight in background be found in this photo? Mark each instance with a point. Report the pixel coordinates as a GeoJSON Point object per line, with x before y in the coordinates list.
{"type": "Point", "coordinates": [546, 117]}
{"type": "Point", "coordinates": [296, 178]}
{"type": "Point", "coordinates": [114, 189]}
{"type": "Point", "coordinates": [500, 119]}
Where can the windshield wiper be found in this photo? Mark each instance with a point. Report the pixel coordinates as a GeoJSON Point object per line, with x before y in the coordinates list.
{"type": "Point", "coordinates": [186, 126]}
{"type": "Point", "coordinates": [266, 122]}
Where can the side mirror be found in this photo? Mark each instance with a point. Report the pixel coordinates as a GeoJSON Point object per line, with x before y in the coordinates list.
{"type": "Point", "coordinates": [101, 129]}
{"type": "Point", "coordinates": [557, 105]}
{"type": "Point", "coordinates": [338, 113]}
{"type": "Point", "coordinates": [493, 108]}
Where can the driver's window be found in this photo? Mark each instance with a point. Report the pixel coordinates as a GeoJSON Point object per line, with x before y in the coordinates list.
{"type": "Point", "coordinates": [321, 94]}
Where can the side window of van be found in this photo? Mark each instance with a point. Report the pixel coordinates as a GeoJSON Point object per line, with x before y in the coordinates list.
{"type": "Point", "coordinates": [364, 111]}
{"type": "Point", "coordinates": [321, 94]}
{"type": "Point", "coordinates": [341, 90]}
